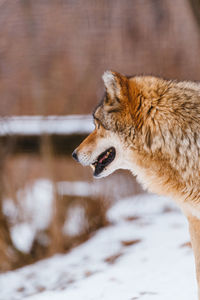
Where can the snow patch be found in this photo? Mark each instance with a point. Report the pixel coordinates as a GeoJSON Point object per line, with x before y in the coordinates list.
{"type": "Point", "coordinates": [159, 265]}
{"type": "Point", "coordinates": [75, 221]}
{"type": "Point", "coordinates": [76, 188]}
{"type": "Point", "coordinates": [22, 237]}
{"type": "Point", "coordinates": [30, 212]}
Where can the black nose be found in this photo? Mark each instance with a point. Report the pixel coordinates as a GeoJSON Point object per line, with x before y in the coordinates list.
{"type": "Point", "coordinates": [74, 155]}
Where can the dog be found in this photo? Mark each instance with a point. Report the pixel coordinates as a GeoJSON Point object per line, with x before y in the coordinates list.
{"type": "Point", "coordinates": [151, 127]}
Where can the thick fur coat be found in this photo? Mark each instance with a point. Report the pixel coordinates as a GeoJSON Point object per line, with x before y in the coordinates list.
{"type": "Point", "coordinates": [153, 127]}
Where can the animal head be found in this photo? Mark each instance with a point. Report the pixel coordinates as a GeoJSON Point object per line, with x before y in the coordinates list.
{"type": "Point", "coordinates": [105, 149]}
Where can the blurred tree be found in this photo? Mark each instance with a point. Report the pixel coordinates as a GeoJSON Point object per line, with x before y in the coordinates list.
{"type": "Point", "coordinates": [195, 4]}
{"type": "Point", "coordinates": [52, 54]}
{"type": "Point", "coordinates": [10, 257]}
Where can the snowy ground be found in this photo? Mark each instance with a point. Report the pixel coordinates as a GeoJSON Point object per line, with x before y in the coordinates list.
{"type": "Point", "coordinates": [144, 254]}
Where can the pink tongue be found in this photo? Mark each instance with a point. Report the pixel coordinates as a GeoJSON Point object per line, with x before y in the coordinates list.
{"type": "Point", "coordinates": [100, 161]}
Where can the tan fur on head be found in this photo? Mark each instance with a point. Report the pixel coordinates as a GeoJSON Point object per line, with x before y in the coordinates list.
{"type": "Point", "coordinates": [114, 83]}
{"type": "Point", "coordinates": [109, 81]}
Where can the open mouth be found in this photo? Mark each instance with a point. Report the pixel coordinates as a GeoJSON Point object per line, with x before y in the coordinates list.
{"type": "Point", "coordinates": [103, 160]}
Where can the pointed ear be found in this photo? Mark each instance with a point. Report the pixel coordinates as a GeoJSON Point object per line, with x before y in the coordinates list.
{"type": "Point", "coordinates": [115, 83]}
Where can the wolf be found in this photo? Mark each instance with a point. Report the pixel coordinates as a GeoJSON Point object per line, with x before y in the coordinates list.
{"type": "Point", "coordinates": [151, 127]}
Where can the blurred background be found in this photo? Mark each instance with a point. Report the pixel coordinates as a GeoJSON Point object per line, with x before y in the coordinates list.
{"type": "Point", "coordinates": [52, 57]}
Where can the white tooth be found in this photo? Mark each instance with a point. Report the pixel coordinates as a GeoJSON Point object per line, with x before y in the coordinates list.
{"type": "Point", "coordinates": [93, 167]}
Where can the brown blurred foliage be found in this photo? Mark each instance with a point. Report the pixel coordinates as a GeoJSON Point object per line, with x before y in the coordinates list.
{"type": "Point", "coordinates": [53, 53]}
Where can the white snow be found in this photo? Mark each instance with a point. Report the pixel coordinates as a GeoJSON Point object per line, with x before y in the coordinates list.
{"type": "Point", "coordinates": [37, 125]}
{"type": "Point", "coordinates": [75, 221]}
{"type": "Point", "coordinates": [76, 188]}
{"type": "Point", "coordinates": [30, 212]}
{"type": "Point", "coordinates": [22, 235]}
{"type": "Point", "coordinates": [143, 255]}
